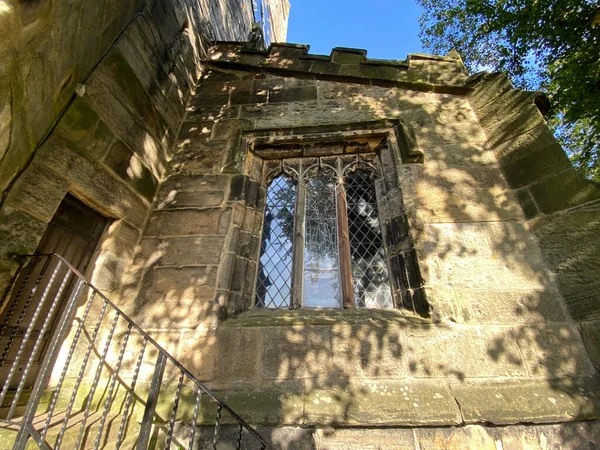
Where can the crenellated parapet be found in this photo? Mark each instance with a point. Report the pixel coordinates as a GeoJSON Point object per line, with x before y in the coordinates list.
{"type": "Point", "coordinates": [418, 71]}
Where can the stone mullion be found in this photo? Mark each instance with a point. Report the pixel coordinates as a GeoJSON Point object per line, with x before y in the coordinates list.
{"type": "Point", "coordinates": [298, 244]}
{"type": "Point", "coordinates": [344, 247]}
{"type": "Point", "coordinates": [345, 261]}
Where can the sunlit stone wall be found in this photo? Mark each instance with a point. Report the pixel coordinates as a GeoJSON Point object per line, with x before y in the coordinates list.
{"type": "Point", "coordinates": [501, 346]}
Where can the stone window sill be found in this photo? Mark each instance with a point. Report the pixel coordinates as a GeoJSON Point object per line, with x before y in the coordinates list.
{"type": "Point", "coordinates": [286, 317]}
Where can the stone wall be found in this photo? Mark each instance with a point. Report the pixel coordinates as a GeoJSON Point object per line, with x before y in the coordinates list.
{"type": "Point", "coordinates": [583, 435]}
{"type": "Point", "coordinates": [562, 209]}
{"type": "Point", "coordinates": [164, 153]}
{"type": "Point", "coordinates": [502, 347]}
{"type": "Point", "coordinates": [108, 145]}
{"type": "Point", "coordinates": [47, 47]}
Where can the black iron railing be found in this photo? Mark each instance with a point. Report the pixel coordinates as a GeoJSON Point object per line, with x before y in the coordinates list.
{"type": "Point", "coordinates": [74, 377]}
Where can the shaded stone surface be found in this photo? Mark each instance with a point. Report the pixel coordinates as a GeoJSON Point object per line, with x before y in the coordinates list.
{"type": "Point", "coordinates": [130, 168]}
{"type": "Point", "coordinates": [19, 233]}
{"type": "Point", "coordinates": [235, 365]}
{"type": "Point", "coordinates": [277, 404]}
{"type": "Point", "coordinates": [296, 352]}
{"type": "Point", "coordinates": [591, 338]}
{"type": "Point", "coordinates": [553, 351]}
{"type": "Point", "coordinates": [38, 191]}
{"type": "Point", "coordinates": [370, 350]}
{"type": "Point", "coordinates": [462, 352]}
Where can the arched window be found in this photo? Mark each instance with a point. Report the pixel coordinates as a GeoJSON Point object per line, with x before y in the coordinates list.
{"type": "Point", "coordinates": [323, 243]}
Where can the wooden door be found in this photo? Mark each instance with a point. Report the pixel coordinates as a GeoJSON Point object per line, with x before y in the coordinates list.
{"type": "Point", "coordinates": [73, 233]}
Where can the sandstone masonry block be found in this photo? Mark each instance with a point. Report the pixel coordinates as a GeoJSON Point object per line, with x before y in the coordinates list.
{"type": "Point", "coordinates": [521, 401]}
{"type": "Point", "coordinates": [194, 183]}
{"type": "Point", "coordinates": [275, 404]}
{"type": "Point", "coordinates": [380, 402]}
{"type": "Point", "coordinates": [591, 338]}
{"type": "Point", "coordinates": [199, 113]}
{"type": "Point", "coordinates": [236, 354]}
{"type": "Point", "coordinates": [175, 298]}
{"type": "Point", "coordinates": [369, 350]}
{"type": "Point", "coordinates": [131, 169]}
{"type": "Point", "coordinates": [469, 437]}
{"type": "Point", "coordinates": [488, 88]}
{"type": "Point", "coordinates": [513, 306]}
{"type": "Point", "coordinates": [185, 222]}
{"type": "Point", "coordinates": [564, 190]}
{"type": "Point", "coordinates": [296, 352]}
{"type": "Point", "coordinates": [522, 145]}
{"type": "Point", "coordinates": [300, 94]}
{"type": "Point", "coordinates": [514, 124]}
{"type": "Point", "coordinates": [363, 439]}
{"type": "Point", "coordinates": [91, 182]}
{"type": "Point", "coordinates": [182, 251]}
{"type": "Point", "coordinates": [183, 199]}
{"type": "Point", "coordinates": [528, 169]}
{"type": "Point", "coordinates": [553, 350]}
{"type": "Point", "coordinates": [38, 191]}
{"type": "Point", "coordinates": [19, 232]}
{"type": "Point", "coordinates": [439, 351]}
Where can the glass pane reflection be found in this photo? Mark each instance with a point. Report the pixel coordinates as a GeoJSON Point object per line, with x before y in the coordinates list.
{"type": "Point", "coordinates": [321, 268]}
{"type": "Point", "coordinates": [369, 269]}
{"type": "Point", "coordinates": [274, 282]}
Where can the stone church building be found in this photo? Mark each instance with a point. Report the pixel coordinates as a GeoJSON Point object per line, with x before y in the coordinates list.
{"type": "Point", "coordinates": [209, 243]}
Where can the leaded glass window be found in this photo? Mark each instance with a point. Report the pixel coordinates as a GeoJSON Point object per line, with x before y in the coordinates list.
{"type": "Point", "coordinates": [274, 280]}
{"type": "Point", "coordinates": [322, 240]}
{"type": "Point", "coordinates": [321, 253]}
{"type": "Point", "coordinates": [369, 267]}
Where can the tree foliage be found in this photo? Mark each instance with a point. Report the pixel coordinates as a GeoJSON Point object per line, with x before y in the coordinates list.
{"type": "Point", "coordinates": [552, 45]}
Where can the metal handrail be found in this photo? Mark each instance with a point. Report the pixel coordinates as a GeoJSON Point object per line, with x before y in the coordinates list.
{"type": "Point", "coordinates": [65, 319]}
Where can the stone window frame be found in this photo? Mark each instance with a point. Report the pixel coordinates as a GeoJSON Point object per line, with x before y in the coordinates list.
{"type": "Point", "coordinates": [393, 143]}
{"type": "Point", "coordinates": [339, 167]}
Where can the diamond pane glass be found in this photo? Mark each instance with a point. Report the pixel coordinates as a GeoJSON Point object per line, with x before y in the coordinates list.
{"type": "Point", "coordinates": [369, 269]}
{"type": "Point", "coordinates": [321, 258]}
{"type": "Point", "coordinates": [274, 282]}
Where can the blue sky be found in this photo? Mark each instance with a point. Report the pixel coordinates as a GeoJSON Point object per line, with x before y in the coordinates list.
{"type": "Point", "coordinates": [388, 29]}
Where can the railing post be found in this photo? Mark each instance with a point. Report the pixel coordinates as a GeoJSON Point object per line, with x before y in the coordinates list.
{"type": "Point", "coordinates": [47, 365]}
{"type": "Point", "coordinates": [146, 429]}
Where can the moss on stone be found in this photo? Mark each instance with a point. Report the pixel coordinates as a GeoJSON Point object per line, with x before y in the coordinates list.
{"type": "Point", "coordinates": [79, 120]}
{"type": "Point", "coordinates": [562, 191]}
{"type": "Point", "coordinates": [124, 76]}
